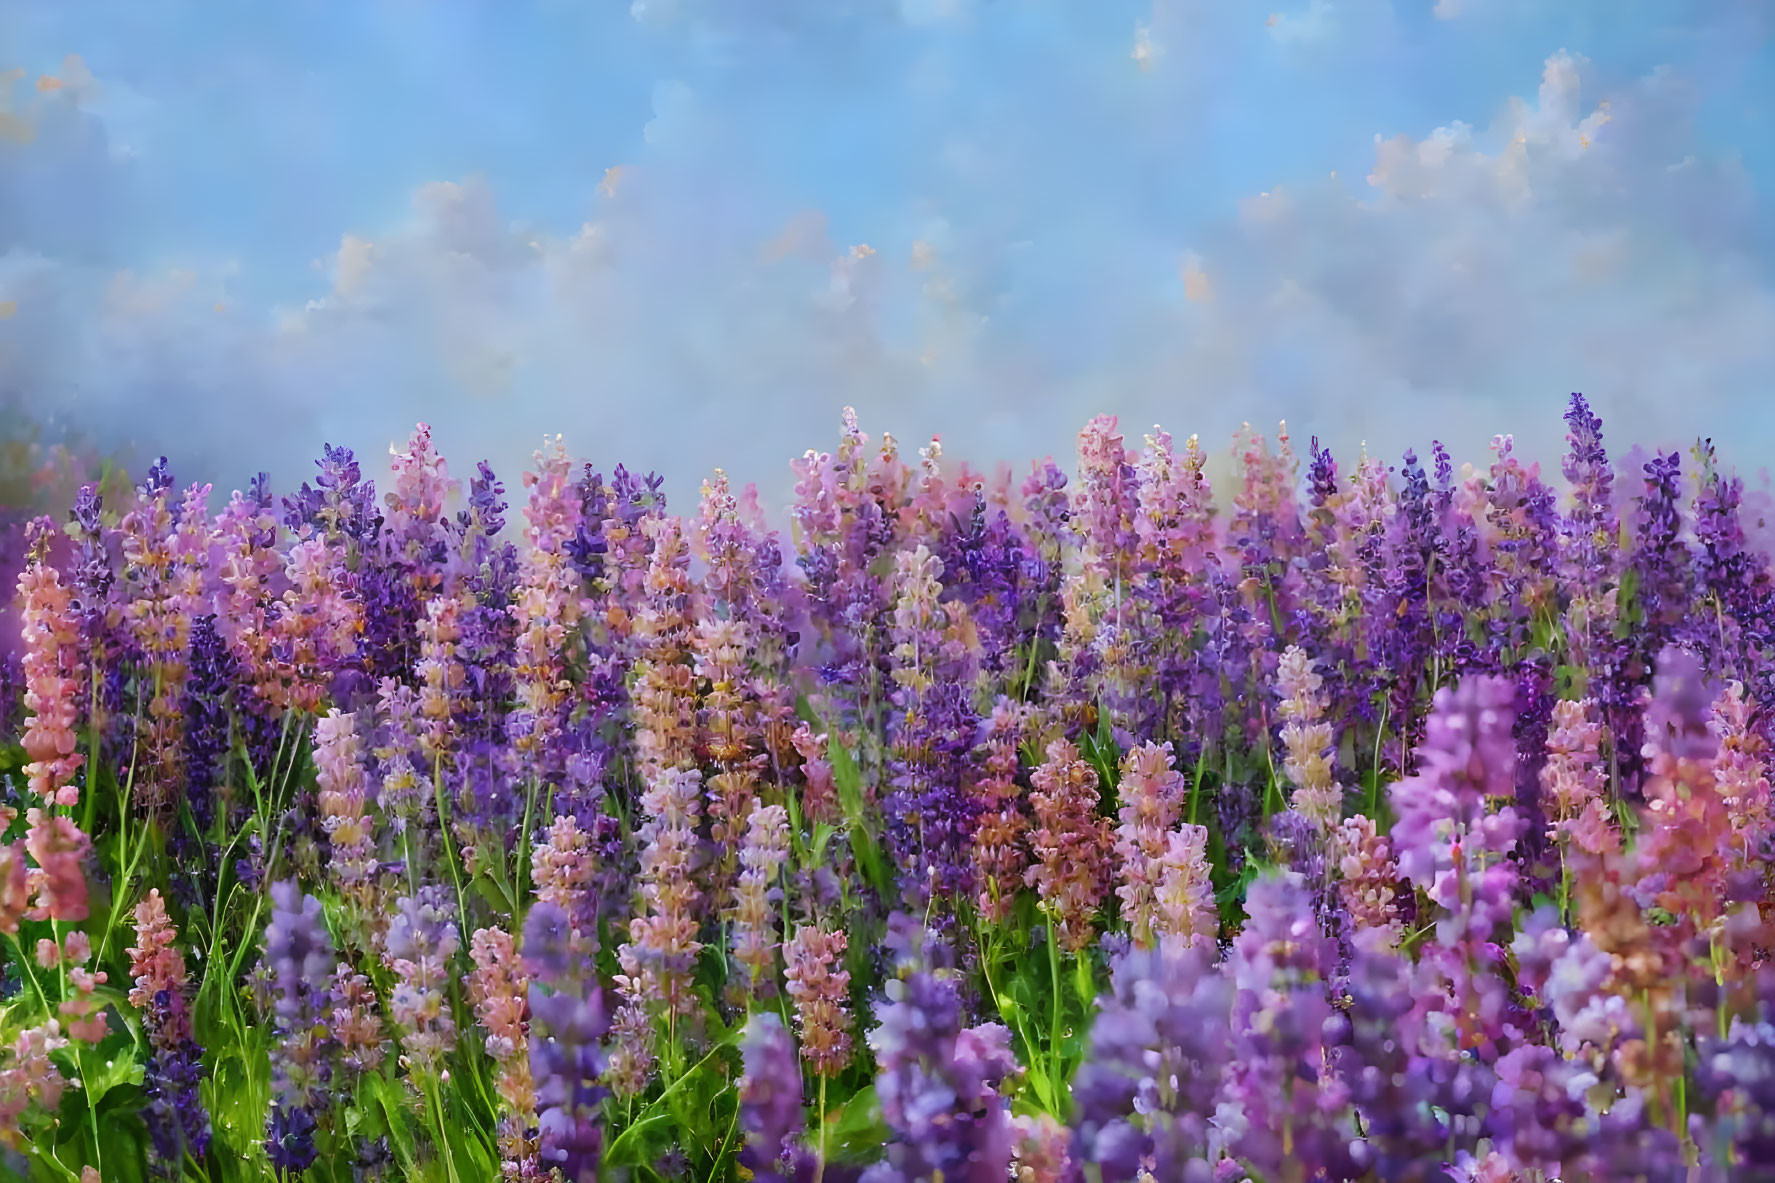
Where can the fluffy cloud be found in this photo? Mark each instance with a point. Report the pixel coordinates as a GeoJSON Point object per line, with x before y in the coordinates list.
{"type": "Point", "coordinates": [1463, 287]}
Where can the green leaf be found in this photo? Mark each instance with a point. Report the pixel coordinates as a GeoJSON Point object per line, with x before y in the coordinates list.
{"type": "Point", "coordinates": [856, 1132]}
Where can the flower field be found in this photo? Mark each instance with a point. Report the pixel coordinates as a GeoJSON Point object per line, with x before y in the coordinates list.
{"type": "Point", "coordinates": [1348, 821]}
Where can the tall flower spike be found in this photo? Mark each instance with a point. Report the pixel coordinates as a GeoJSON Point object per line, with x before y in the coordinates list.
{"type": "Point", "coordinates": [1307, 739]}
{"type": "Point", "coordinates": [1071, 842]}
{"type": "Point", "coordinates": [177, 1120]}
{"type": "Point", "coordinates": [1369, 887]}
{"type": "Point", "coordinates": [499, 989]}
{"type": "Point", "coordinates": [1185, 913]}
{"type": "Point", "coordinates": [1152, 797]}
{"type": "Point", "coordinates": [660, 956]}
{"type": "Point", "coordinates": [339, 769]}
{"type": "Point", "coordinates": [51, 635]}
{"type": "Point", "coordinates": [299, 959]}
{"type": "Point", "coordinates": [770, 1097]}
{"type": "Point", "coordinates": [1574, 779]}
{"type": "Point", "coordinates": [820, 990]}
{"type": "Point", "coordinates": [937, 1083]}
{"type": "Point", "coordinates": [762, 857]}
{"type": "Point", "coordinates": [1001, 854]}
{"type": "Point", "coordinates": [418, 949]}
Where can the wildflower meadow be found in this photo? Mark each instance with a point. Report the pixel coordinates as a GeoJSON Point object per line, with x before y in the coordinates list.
{"type": "Point", "coordinates": [1354, 820]}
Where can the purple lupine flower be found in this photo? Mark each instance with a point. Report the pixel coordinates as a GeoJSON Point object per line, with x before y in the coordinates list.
{"type": "Point", "coordinates": [937, 1083]}
{"type": "Point", "coordinates": [299, 962]}
{"type": "Point", "coordinates": [1736, 1071]}
{"type": "Point", "coordinates": [1452, 843]}
{"type": "Point", "coordinates": [567, 1059]}
{"type": "Point", "coordinates": [1279, 1106]}
{"type": "Point", "coordinates": [771, 1108]}
{"type": "Point", "coordinates": [1144, 1100]}
{"type": "Point", "coordinates": [1408, 1102]}
{"type": "Point", "coordinates": [931, 814]}
{"type": "Point", "coordinates": [419, 949]}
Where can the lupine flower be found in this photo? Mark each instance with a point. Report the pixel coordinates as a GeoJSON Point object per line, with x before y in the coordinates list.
{"type": "Point", "coordinates": [1285, 1115]}
{"type": "Point", "coordinates": [29, 1075]}
{"type": "Point", "coordinates": [1072, 844]}
{"type": "Point", "coordinates": [355, 1022]}
{"type": "Point", "coordinates": [177, 1120]}
{"type": "Point", "coordinates": [499, 991]}
{"type": "Point", "coordinates": [661, 951]}
{"type": "Point", "coordinates": [762, 856]}
{"type": "Point", "coordinates": [299, 960]}
{"type": "Point", "coordinates": [418, 949]}
{"type": "Point", "coordinates": [770, 1096]}
{"type": "Point", "coordinates": [1151, 800]}
{"type": "Point", "coordinates": [1574, 780]}
{"type": "Point", "coordinates": [937, 1083]}
{"type": "Point", "coordinates": [1685, 848]}
{"type": "Point", "coordinates": [819, 988]}
{"type": "Point", "coordinates": [1001, 854]}
{"type": "Point", "coordinates": [1307, 739]}
{"type": "Point", "coordinates": [1454, 845]}
{"type": "Point", "coordinates": [547, 605]}
{"type": "Point", "coordinates": [566, 1060]}
{"type": "Point", "coordinates": [564, 867]}
{"type": "Point", "coordinates": [665, 688]}
{"type": "Point", "coordinates": [338, 761]}
{"type": "Point", "coordinates": [1184, 904]}
{"type": "Point", "coordinates": [1144, 1099]}
{"type": "Point", "coordinates": [1369, 883]}
{"type": "Point", "coordinates": [931, 816]}
{"type": "Point", "coordinates": [52, 686]}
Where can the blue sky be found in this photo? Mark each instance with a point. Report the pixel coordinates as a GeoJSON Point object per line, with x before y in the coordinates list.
{"type": "Point", "coordinates": [687, 232]}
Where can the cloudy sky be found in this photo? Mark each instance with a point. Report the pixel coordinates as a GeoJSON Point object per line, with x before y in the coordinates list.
{"type": "Point", "coordinates": [686, 233]}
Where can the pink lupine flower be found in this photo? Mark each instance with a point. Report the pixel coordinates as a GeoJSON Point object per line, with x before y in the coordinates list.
{"type": "Point", "coordinates": [439, 671]}
{"type": "Point", "coordinates": [155, 963]}
{"type": "Point", "coordinates": [1184, 909]}
{"type": "Point", "coordinates": [762, 856]}
{"type": "Point", "coordinates": [820, 991]}
{"type": "Point", "coordinates": [1741, 768]}
{"type": "Point", "coordinates": [338, 761]}
{"type": "Point", "coordinates": [422, 487]}
{"type": "Point", "coordinates": [316, 626]}
{"type": "Point", "coordinates": [660, 957]}
{"type": "Point", "coordinates": [354, 1021]}
{"type": "Point", "coordinates": [58, 881]}
{"type": "Point", "coordinates": [52, 684]}
{"type": "Point", "coordinates": [1151, 793]}
{"type": "Point", "coordinates": [1001, 849]}
{"type": "Point", "coordinates": [819, 791]}
{"type": "Point", "coordinates": [248, 567]}
{"type": "Point", "coordinates": [665, 686]}
{"type": "Point", "coordinates": [1308, 741]}
{"type": "Point", "coordinates": [547, 606]}
{"type": "Point", "coordinates": [721, 646]}
{"type": "Point", "coordinates": [1071, 843]}
{"type": "Point", "coordinates": [499, 990]}
{"type": "Point", "coordinates": [15, 882]}
{"type": "Point", "coordinates": [1043, 1152]}
{"type": "Point", "coordinates": [1369, 887]}
{"type": "Point", "coordinates": [564, 868]}
{"type": "Point", "coordinates": [1574, 779]}
{"type": "Point", "coordinates": [1685, 845]}
{"type": "Point", "coordinates": [30, 1076]}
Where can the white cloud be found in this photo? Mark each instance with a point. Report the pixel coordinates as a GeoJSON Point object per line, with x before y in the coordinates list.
{"type": "Point", "coordinates": [1476, 278]}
